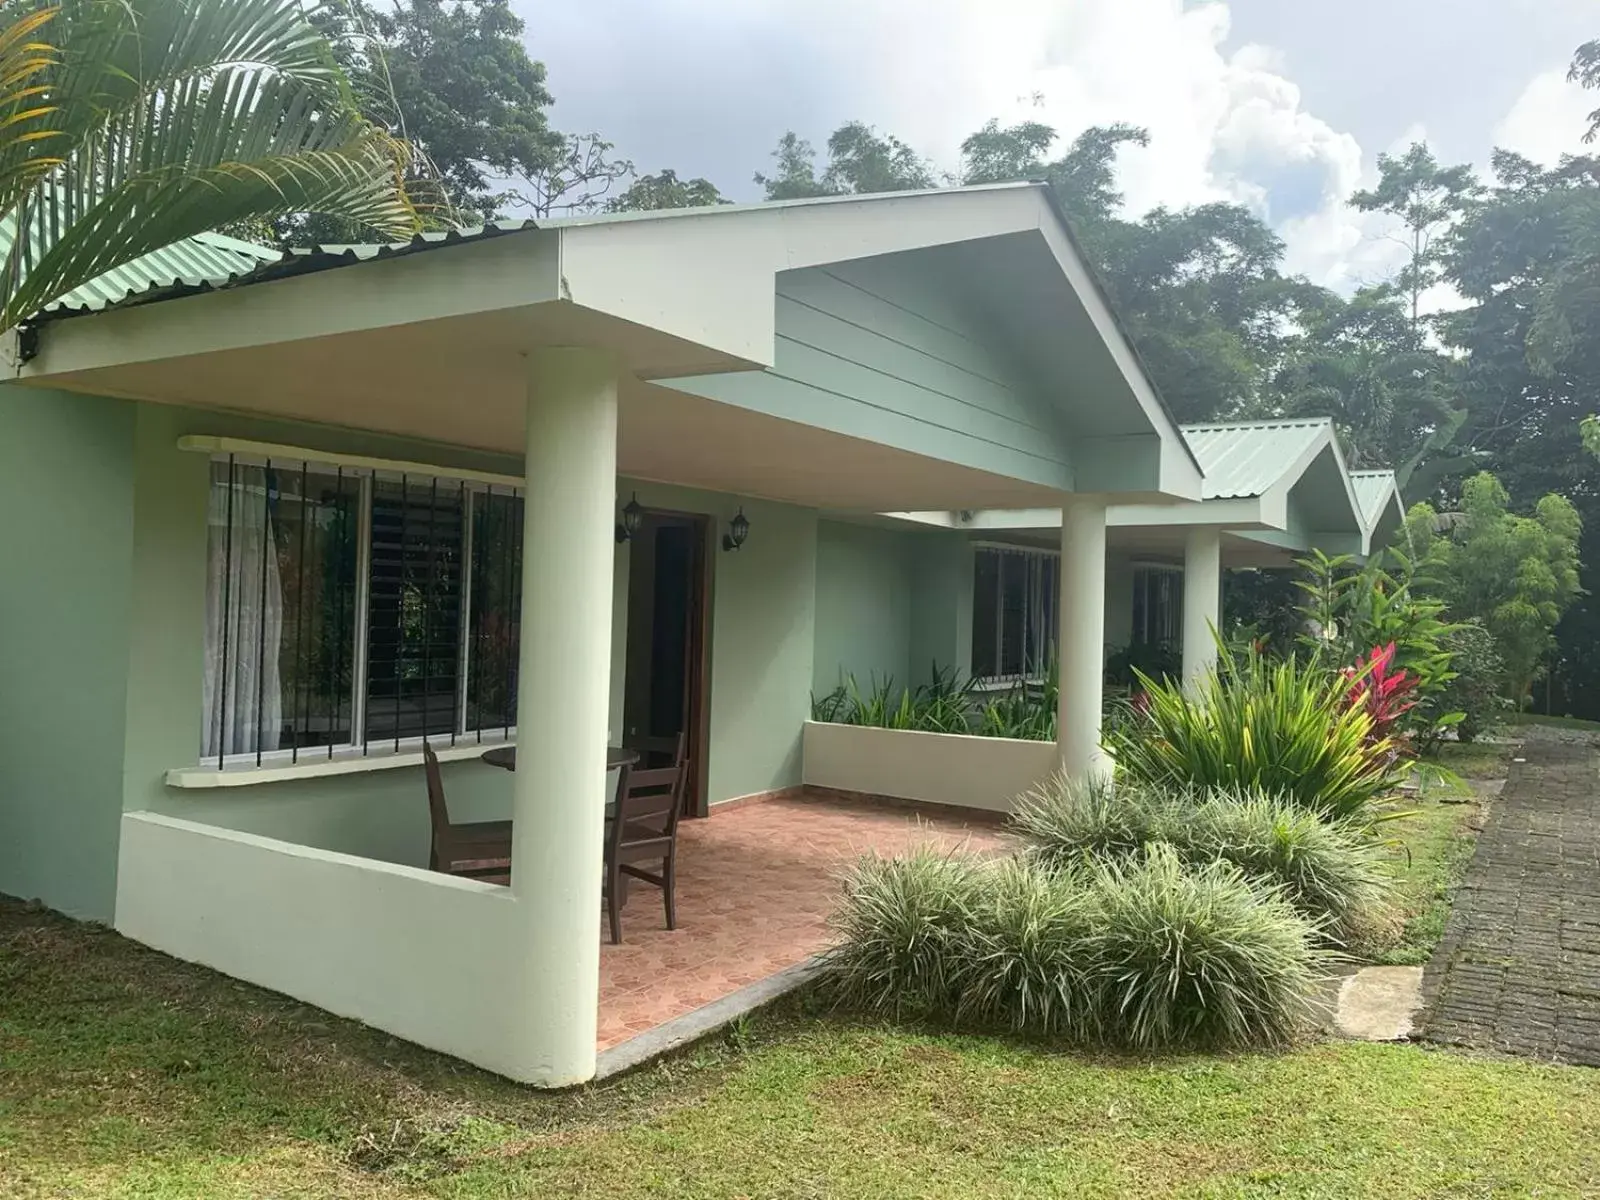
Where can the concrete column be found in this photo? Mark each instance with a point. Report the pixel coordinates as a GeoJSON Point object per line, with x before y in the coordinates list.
{"type": "Point", "coordinates": [1202, 600]}
{"type": "Point", "coordinates": [563, 702]}
{"type": "Point", "coordinates": [1083, 618]}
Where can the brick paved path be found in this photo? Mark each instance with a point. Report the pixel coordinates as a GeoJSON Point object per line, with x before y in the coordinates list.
{"type": "Point", "coordinates": [1519, 967]}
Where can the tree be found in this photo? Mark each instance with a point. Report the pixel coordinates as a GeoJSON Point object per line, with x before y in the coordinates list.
{"type": "Point", "coordinates": [1427, 199]}
{"type": "Point", "coordinates": [576, 179]}
{"type": "Point", "coordinates": [128, 126]}
{"type": "Point", "coordinates": [996, 155]}
{"type": "Point", "coordinates": [1516, 574]}
{"type": "Point", "coordinates": [1362, 362]}
{"type": "Point", "coordinates": [454, 79]}
{"type": "Point", "coordinates": [665, 190]}
{"type": "Point", "coordinates": [861, 161]}
{"type": "Point", "coordinates": [796, 174]}
{"type": "Point", "coordinates": [1586, 71]}
{"type": "Point", "coordinates": [1085, 177]}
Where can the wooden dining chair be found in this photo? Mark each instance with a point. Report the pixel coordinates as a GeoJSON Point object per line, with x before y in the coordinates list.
{"type": "Point", "coordinates": [644, 830]}
{"type": "Point", "coordinates": [475, 849]}
{"type": "Point", "coordinates": [660, 751]}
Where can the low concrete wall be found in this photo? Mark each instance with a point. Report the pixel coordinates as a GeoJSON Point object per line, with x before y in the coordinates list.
{"type": "Point", "coordinates": [435, 960]}
{"type": "Point", "coordinates": [934, 768]}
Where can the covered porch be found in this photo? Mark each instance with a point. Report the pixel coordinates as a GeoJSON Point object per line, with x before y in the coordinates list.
{"type": "Point", "coordinates": [895, 353]}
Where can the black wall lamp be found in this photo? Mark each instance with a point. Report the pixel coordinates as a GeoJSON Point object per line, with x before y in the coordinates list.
{"type": "Point", "coordinates": [632, 514]}
{"type": "Point", "coordinates": [738, 530]}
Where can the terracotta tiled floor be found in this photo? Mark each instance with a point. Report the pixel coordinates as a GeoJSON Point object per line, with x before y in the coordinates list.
{"type": "Point", "coordinates": [755, 886]}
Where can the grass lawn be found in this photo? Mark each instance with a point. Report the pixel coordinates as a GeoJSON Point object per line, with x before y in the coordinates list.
{"type": "Point", "coordinates": [127, 1074]}
{"type": "Point", "coordinates": [1433, 847]}
{"type": "Point", "coordinates": [1553, 721]}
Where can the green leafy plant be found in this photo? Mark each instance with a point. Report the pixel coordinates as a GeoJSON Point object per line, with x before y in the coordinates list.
{"type": "Point", "coordinates": [1331, 873]}
{"type": "Point", "coordinates": [1281, 727]}
{"type": "Point", "coordinates": [1158, 660]}
{"type": "Point", "coordinates": [131, 125]}
{"type": "Point", "coordinates": [1474, 687]}
{"type": "Point", "coordinates": [1350, 611]}
{"type": "Point", "coordinates": [1141, 951]}
{"type": "Point", "coordinates": [1197, 956]}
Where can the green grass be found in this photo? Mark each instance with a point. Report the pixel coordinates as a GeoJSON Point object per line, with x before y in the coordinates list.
{"type": "Point", "coordinates": [126, 1074]}
{"type": "Point", "coordinates": [1430, 850]}
{"type": "Point", "coordinates": [1528, 718]}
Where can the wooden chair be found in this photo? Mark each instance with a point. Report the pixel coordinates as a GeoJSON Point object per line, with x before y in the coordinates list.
{"type": "Point", "coordinates": [644, 829]}
{"type": "Point", "coordinates": [660, 751]}
{"type": "Point", "coordinates": [476, 849]}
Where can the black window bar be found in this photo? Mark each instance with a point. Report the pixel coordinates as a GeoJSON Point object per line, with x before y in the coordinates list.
{"type": "Point", "coordinates": [391, 611]}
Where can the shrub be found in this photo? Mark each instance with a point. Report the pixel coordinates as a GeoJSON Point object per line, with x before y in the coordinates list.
{"type": "Point", "coordinates": [1474, 691]}
{"type": "Point", "coordinates": [900, 924]}
{"type": "Point", "coordinates": [943, 705]}
{"type": "Point", "coordinates": [1281, 727]}
{"type": "Point", "coordinates": [1197, 956]}
{"type": "Point", "coordinates": [1331, 873]}
{"type": "Point", "coordinates": [1141, 951]}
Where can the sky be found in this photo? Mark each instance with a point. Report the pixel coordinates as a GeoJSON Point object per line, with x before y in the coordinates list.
{"type": "Point", "coordinates": [1283, 105]}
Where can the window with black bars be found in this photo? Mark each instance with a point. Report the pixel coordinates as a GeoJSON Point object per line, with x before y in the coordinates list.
{"type": "Point", "coordinates": [1157, 604]}
{"type": "Point", "coordinates": [1015, 610]}
{"type": "Point", "coordinates": [351, 610]}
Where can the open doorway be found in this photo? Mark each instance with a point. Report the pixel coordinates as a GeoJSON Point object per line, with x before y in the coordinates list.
{"type": "Point", "coordinates": [668, 637]}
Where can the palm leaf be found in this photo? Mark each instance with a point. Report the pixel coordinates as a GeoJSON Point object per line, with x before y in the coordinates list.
{"type": "Point", "coordinates": [156, 120]}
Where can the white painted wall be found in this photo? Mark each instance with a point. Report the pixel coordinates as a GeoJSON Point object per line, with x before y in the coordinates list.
{"type": "Point", "coordinates": [439, 961]}
{"type": "Point", "coordinates": [934, 768]}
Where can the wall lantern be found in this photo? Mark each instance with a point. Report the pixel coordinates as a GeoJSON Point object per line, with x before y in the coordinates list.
{"type": "Point", "coordinates": [738, 530]}
{"type": "Point", "coordinates": [632, 514]}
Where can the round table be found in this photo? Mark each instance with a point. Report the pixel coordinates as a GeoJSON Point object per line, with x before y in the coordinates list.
{"type": "Point", "coordinates": [505, 757]}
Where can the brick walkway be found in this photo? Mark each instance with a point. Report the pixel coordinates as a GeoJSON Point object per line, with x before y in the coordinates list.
{"type": "Point", "coordinates": [1519, 967]}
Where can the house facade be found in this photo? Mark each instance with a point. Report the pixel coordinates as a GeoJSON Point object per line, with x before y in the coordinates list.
{"type": "Point", "coordinates": [978, 591]}
{"type": "Point", "coordinates": [555, 486]}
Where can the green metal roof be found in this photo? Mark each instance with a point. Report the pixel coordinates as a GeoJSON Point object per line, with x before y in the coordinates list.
{"type": "Point", "coordinates": [207, 259]}
{"type": "Point", "coordinates": [1375, 491]}
{"type": "Point", "coordinates": [1247, 458]}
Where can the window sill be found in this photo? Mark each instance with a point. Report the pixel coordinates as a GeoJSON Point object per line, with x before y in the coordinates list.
{"type": "Point", "coordinates": [346, 764]}
{"type": "Point", "coordinates": [1006, 683]}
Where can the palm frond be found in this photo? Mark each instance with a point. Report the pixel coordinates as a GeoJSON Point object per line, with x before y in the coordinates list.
{"type": "Point", "coordinates": [156, 120]}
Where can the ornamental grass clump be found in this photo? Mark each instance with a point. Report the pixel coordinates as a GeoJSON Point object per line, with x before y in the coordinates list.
{"type": "Point", "coordinates": [1197, 956]}
{"type": "Point", "coordinates": [1285, 728]}
{"type": "Point", "coordinates": [901, 923]}
{"type": "Point", "coordinates": [1332, 873]}
{"type": "Point", "coordinates": [1142, 951]}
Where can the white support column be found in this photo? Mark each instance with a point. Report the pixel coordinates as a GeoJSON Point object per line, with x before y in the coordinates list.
{"type": "Point", "coordinates": [563, 701]}
{"type": "Point", "coordinates": [1082, 634]}
{"type": "Point", "coordinates": [1202, 600]}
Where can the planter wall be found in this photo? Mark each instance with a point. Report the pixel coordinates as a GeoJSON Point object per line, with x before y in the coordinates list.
{"type": "Point", "coordinates": [933, 768]}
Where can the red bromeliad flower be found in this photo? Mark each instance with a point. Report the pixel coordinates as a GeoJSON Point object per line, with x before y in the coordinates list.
{"type": "Point", "coordinates": [1381, 691]}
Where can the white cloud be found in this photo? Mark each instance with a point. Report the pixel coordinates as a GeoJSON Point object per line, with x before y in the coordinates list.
{"type": "Point", "coordinates": [1224, 125]}
{"type": "Point", "coordinates": [1548, 119]}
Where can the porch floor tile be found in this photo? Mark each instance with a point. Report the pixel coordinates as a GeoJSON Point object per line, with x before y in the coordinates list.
{"type": "Point", "coordinates": [755, 886]}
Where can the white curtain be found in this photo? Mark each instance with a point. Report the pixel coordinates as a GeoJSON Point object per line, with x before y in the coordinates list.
{"type": "Point", "coordinates": [244, 616]}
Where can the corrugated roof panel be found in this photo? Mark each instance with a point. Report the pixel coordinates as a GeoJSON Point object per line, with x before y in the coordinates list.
{"type": "Point", "coordinates": [209, 258]}
{"type": "Point", "coordinates": [1245, 458]}
{"type": "Point", "coordinates": [1374, 491]}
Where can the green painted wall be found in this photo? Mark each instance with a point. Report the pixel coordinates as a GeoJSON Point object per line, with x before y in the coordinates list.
{"type": "Point", "coordinates": [763, 623]}
{"type": "Point", "coordinates": [864, 602]}
{"type": "Point", "coordinates": [941, 611]}
{"type": "Point", "coordinates": [66, 471]}
{"type": "Point", "coordinates": [885, 350]}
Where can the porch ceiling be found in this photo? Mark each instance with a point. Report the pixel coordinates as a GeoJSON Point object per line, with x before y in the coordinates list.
{"type": "Point", "coordinates": [426, 341]}
{"type": "Point", "coordinates": [459, 382]}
